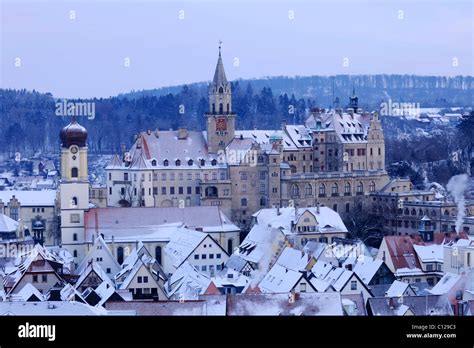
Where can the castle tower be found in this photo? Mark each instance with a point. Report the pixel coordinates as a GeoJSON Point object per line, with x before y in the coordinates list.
{"type": "Point", "coordinates": [375, 145]}
{"type": "Point", "coordinates": [220, 118]}
{"type": "Point", "coordinates": [74, 188]}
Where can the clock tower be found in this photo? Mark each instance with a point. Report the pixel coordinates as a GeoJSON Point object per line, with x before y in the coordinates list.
{"type": "Point", "coordinates": [220, 118]}
{"type": "Point", "coordinates": [74, 188]}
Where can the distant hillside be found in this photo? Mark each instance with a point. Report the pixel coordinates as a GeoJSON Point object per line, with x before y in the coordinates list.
{"type": "Point", "coordinates": [28, 122]}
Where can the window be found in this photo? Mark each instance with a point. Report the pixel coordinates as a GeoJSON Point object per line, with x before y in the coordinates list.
{"type": "Point", "coordinates": [360, 187]}
{"type": "Point", "coordinates": [203, 256]}
{"type": "Point", "coordinates": [139, 279]}
{"type": "Point", "coordinates": [196, 257]}
{"type": "Point", "coordinates": [166, 163]}
{"type": "Point", "coordinates": [145, 279]}
{"type": "Point", "coordinates": [204, 268]}
{"type": "Point", "coordinates": [348, 207]}
{"type": "Point", "coordinates": [243, 202]}
{"type": "Point", "coordinates": [335, 189]}
{"type": "Point", "coordinates": [171, 190]}
{"type": "Point", "coordinates": [218, 256]}
{"type": "Point", "coordinates": [213, 162]}
{"type": "Point", "coordinates": [295, 191]}
{"type": "Point", "coordinates": [303, 287]}
{"type": "Point", "coordinates": [74, 218]}
{"type": "Point", "coordinates": [347, 189]}
{"type": "Point", "coordinates": [75, 253]}
{"type": "Point", "coordinates": [429, 267]}
{"type": "Point", "coordinates": [211, 256]}
{"type": "Point", "coordinates": [353, 285]}
{"type": "Point", "coordinates": [308, 190]}
{"type": "Point", "coordinates": [243, 176]}
{"type": "Point", "coordinates": [108, 270]}
{"type": "Point", "coordinates": [74, 237]}
{"type": "Point", "coordinates": [263, 201]}
{"type": "Point", "coordinates": [14, 213]}
{"type": "Point", "coordinates": [180, 190]}
{"type": "Point", "coordinates": [125, 176]}
{"type": "Point", "coordinates": [163, 190]}
{"type": "Point", "coordinates": [372, 186]}
{"type": "Point", "coordinates": [322, 190]}
{"type": "Point", "coordinates": [74, 172]}
{"type": "Point", "coordinates": [35, 279]}
{"type": "Point", "coordinates": [110, 190]}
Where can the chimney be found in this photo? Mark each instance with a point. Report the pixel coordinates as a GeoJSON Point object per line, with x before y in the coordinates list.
{"type": "Point", "coordinates": [148, 132]}
{"type": "Point", "coordinates": [317, 207]}
{"type": "Point", "coordinates": [157, 133]}
{"type": "Point", "coordinates": [182, 133]}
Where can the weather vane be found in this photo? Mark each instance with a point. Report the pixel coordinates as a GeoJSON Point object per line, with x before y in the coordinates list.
{"type": "Point", "coordinates": [220, 44]}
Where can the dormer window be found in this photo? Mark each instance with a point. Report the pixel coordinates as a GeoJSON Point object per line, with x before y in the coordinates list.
{"type": "Point", "coordinates": [166, 163]}
{"type": "Point", "coordinates": [213, 162]}
{"type": "Point", "coordinates": [190, 162]}
{"type": "Point", "coordinates": [153, 163]}
{"type": "Point", "coordinates": [178, 163]}
{"type": "Point", "coordinates": [203, 162]}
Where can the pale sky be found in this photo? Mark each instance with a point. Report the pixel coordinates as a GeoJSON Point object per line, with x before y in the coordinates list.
{"type": "Point", "coordinates": [85, 56]}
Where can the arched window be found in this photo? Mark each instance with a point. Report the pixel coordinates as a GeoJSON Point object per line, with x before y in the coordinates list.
{"type": "Point", "coordinates": [406, 211]}
{"type": "Point", "coordinates": [347, 188]}
{"type": "Point", "coordinates": [243, 202]}
{"type": "Point", "coordinates": [120, 255]}
{"type": "Point", "coordinates": [413, 211]}
{"type": "Point", "coordinates": [158, 254]}
{"type": "Point", "coordinates": [446, 212]}
{"type": "Point", "coordinates": [295, 191]}
{"type": "Point", "coordinates": [221, 108]}
{"type": "Point", "coordinates": [308, 190]}
{"type": "Point", "coordinates": [166, 163]}
{"type": "Point", "coordinates": [433, 213]}
{"type": "Point", "coordinates": [372, 186]}
{"type": "Point", "coordinates": [213, 108]}
{"type": "Point", "coordinates": [335, 189]}
{"type": "Point", "coordinates": [221, 90]}
{"type": "Point", "coordinates": [360, 187]}
{"type": "Point", "coordinates": [74, 172]}
{"type": "Point", "coordinates": [153, 163]}
{"type": "Point", "coordinates": [190, 162]}
{"type": "Point", "coordinates": [74, 202]}
{"type": "Point", "coordinates": [203, 162]}
{"type": "Point", "coordinates": [322, 189]}
{"type": "Point", "coordinates": [230, 246]}
{"type": "Point", "coordinates": [177, 162]}
{"type": "Point", "coordinates": [213, 162]}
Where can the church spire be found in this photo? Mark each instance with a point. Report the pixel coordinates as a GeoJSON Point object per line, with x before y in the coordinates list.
{"type": "Point", "coordinates": [220, 80]}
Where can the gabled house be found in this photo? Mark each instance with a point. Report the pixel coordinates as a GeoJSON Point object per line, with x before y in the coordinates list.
{"type": "Point", "coordinates": [187, 283]}
{"type": "Point", "coordinates": [91, 277]}
{"type": "Point", "coordinates": [39, 267]}
{"type": "Point", "coordinates": [452, 286]}
{"type": "Point", "coordinates": [289, 273]}
{"type": "Point", "coordinates": [197, 248]}
{"type": "Point", "coordinates": [100, 254]}
{"type": "Point", "coordinates": [140, 279]}
{"type": "Point", "coordinates": [371, 271]}
{"type": "Point", "coordinates": [399, 289]}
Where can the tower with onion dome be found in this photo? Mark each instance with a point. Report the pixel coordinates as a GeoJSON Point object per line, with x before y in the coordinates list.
{"type": "Point", "coordinates": [74, 188]}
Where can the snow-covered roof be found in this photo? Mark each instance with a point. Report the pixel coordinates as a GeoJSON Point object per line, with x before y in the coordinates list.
{"type": "Point", "coordinates": [305, 303]}
{"type": "Point", "coordinates": [182, 243]}
{"type": "Point", "coordinates": [445, 284]}
{"type": "Point", "coordinates": [186, 283]}
{"type": "Point", "coordinates": [7, 224]}
{"type": "Point", "coordinates": [48, 308]}
{"type": "Point", "coordinates": [397, 289]}
{"type": "Point", "coordinates": [26, 293]}
{"type": "Point", "coordinates": [260, 241]}
{"type": "Point", "coordinates": [366, 268]}
{"type": "Point", "coordinates": [30, 198]}
{"type": "Point", "coordinates": [93, 267]}
{"type": "Point", "coordinates": [429, 253]}
{"type": "Point", "coordinates": [327, 219]}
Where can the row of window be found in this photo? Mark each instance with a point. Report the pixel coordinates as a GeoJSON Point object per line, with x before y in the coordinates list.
{"type": "Point", "coordinates": [44, 278]}
{"type": "Point", "coordinates": [204, 256]}
{"type": "Point", "coordinates": [37, 210]}
{"type": "Point", "coordinates": [295, 190]}
{"type": "Point", "coordinates": [190, 162]}
{"type": "Point", "coordinates": [172, 176]}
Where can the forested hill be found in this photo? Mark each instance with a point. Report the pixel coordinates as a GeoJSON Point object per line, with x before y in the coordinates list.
{"type": "Point", "coordinates": [28, 122]}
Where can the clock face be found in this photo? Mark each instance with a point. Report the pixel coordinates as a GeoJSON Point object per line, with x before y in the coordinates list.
{"type": "Point", "coordinates": [221, 124]}
{"type": "Point", "coordinates": [74, 149]}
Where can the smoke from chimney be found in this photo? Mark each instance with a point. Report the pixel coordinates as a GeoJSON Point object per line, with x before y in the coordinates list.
{"type": "Point", "coordinates": [457, 186]}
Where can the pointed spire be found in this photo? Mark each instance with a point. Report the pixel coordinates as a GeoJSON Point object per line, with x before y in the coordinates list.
{"type": "Point", "coordinates": [219, 76]}
{"type": "Point", "coordinates": [353, 91]}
